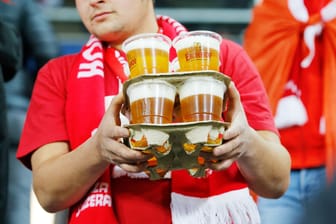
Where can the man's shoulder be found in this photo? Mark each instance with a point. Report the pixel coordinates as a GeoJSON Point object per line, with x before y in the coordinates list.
{"type": "Point", "coordinates": [60, 66]}
{"type": "Point", "coordinates": [228, 45]}
{"type": "Point", "coordinates": [62, 62]}
{"type": "Point", "coordinates": [68, 58]}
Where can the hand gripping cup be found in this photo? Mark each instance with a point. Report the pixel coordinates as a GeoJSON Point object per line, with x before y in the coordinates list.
{"type": "Point", "coordinates": [198, 50]}
{"type": "Point", "coordinates": [147, 53]}
{"type": "Point", "coordinates": [201, 98]}
{"type": "Point", "coordinates": [151, 101]}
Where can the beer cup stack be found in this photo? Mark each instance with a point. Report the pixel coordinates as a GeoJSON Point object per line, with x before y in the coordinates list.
{"type": "Point", "coordinates": [174, 115]}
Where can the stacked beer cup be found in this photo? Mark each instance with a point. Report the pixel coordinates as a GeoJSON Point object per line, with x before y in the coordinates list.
{"type": "Point", "coordinates": [175, 113]}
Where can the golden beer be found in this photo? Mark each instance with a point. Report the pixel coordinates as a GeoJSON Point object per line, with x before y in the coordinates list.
{"type": "Point", "coordinates": [198, 58]}
{"type": "Point", "coordinates": [151, 101]}
{"type": "Point", "coordinates": [198, 50]}
{"type": "Point", "coordinates": [201, 98]}
{"type": "Point", "coordinates": [201, 107]}
{"type": "Point", "coordinates": [147, 53]}
{"type": "Point", "coordinates": [154, 110]}
{"type": "Point", "coordinates": [147, 61]}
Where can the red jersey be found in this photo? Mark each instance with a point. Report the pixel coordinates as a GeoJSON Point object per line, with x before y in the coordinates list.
{"type": "Point", "coordinates": [47, 122]}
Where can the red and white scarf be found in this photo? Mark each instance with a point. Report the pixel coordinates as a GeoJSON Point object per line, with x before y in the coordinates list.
{"type": "Point", "coordinates": [222, 197]}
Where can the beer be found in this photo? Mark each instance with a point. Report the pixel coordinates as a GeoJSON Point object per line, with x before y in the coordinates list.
{"type": "Point", "coordinates": [154, 110]}
{"type": "Point", "coordinates": [201, 107]}
{"type": "Point", "coordinates": [201, 98]}
{"type": "Point", "coordinates": [147, 61]}
{"type": "Point", "coordinates": [198, 50]}
{"type": "Point", "coordinates": [197, 58]}
{"type": "Point", "coordinates": [151, 101]}
{"type": "Point", "coordinates": [147, 54]}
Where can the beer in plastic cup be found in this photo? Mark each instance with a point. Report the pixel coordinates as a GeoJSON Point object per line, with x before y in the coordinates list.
{"type": "Point", "coordinates": [151, 101]}
{"type": "Point", "coordinates": [147, 53]}
{"type": "Point", "coordinates": [201, 98]}
{"type": "Point", "coordinates": [198, 50]}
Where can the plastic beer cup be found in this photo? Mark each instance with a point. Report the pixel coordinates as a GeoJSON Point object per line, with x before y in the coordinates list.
{"type": "Point", "coordinates": [151, 101]}
{"type": "Point", "coordinates": [147, 53]}
{"type": "Point", "coordinates": [198, 50]}
{"type": "Point", "coordinates": [201, 98]}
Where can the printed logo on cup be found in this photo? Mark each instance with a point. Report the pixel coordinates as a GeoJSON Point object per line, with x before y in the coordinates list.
{"type": "Point", "coordinates": [198, 50]}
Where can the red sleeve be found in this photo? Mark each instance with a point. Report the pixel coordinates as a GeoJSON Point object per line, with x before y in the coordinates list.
{"type": "Point", "coordinates": [237, 65]}
{"type": "Point", "coordinates": [45, 121]}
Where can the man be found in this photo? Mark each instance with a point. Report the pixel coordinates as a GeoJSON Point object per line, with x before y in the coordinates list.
{"type": "Point", "coordinates": [72, 145]}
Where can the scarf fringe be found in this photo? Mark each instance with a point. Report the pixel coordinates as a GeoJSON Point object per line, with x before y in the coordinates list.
{"type": "Point", "coordinates": [234, 207]}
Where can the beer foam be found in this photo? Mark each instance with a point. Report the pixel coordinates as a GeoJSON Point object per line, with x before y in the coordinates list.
{"type": "Point", "coordinates": [189, 41]}
{"type": "Point", "coordinates": [202, 85]}
{"type": "Point", "coordinates": [151, 88]}
{"type": "Point", "coordinates": [149, 42]}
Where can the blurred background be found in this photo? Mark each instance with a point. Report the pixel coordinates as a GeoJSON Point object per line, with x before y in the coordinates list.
{"type": "Point", "coordinates": [229, 18]}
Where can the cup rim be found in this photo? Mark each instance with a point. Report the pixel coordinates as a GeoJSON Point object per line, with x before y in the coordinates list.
{"type": "Point", "coordinates": [146, 35]}
{"type": "Point", "coordinates": [210, 33]}
{"type": "Point", "coordinates": [186, 83]}
{"type": "Point", "coordinates": [200, 78]}
{"type": "Point", "coordinates": [150, 81]}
